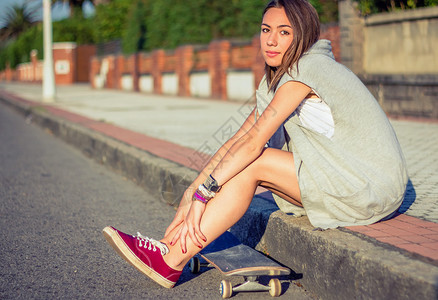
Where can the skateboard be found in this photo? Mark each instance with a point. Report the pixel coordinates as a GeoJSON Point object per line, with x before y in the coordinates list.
{"type": "Point", "coordinates": [232, 258]}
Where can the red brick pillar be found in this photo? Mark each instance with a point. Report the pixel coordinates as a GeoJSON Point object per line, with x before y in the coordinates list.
{"type": "Point", "coordinates": [34, 64]}
{"type": "Point", "coordinates": [64, 58]}
{"type": "Point", "coordinates": [19, 72]}
{"type": "Point", "coordinates": [158, 60]}
{"type": "Point", "coordinates": [258, 67]}
{"type": "Point", "coordinates": [218, 65]}
{"type": "Point", "coordinates": [332, 33]}
{"type": "Point", "coordinates": [118, 71]}
{"type": "Point", "coordinates": [111, 76]}
{"type": "Point", "coordinates": [184, 64]}
{"type": "Point", "coordinates": [8, 72]}
{"type": "Point", "coordinates": [136, 71]}
{"type": "Point", "coordinates": [94, 70]}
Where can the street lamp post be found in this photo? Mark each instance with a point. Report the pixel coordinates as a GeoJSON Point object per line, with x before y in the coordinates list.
{"type": "Point", "coordinates": [48, 72]}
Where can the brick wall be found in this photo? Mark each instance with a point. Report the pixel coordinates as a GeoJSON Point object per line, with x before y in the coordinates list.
{"type": "Point", "coordinates": [331, 32]}
{"type": "Point", "coordinates": [64, 58]}
{"type": "Point", "coordinates": [71, 63]}
{"type": "Point", "coordinates": [201, 59]}
{"type": "Point", "coordinates": [216, 60]}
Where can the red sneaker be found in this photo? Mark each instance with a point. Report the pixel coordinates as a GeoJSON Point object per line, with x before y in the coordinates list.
{"type": "Point", "coordinates": [143, 253]}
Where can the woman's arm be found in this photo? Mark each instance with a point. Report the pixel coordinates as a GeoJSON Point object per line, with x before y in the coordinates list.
{"type": "Point", "coordinates": [186, 199]}
{"type": "Point", "coordinates": [217, 157]}
{"type": "Point", "coordinates": [244, 151]}
{"type": "Point", "coordinates": [250, 145]}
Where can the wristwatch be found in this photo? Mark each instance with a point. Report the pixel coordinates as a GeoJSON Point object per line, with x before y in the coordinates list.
{"type": "Point", "coordinates": [211, 184]}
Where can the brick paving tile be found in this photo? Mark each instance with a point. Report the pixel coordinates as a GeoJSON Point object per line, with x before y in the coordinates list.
{"type": "Point", "coordinates": [399, 224]}
{"type": "Point", "coordinates": [433, 227]}
{"type": "Point", "coordinates": [433, 245]}
{"type": "Point", "coordinates": [158, 147]}
{"type": "Point", "coordinates": [70, 116]}
{"type": "Point", "coordinates": [412, 247]}
{"type": "Point", "coordinates": [428, 252]}
{"type": "Point", "coordinates": [19, 99]}
{"type": "Point", "coordinates": [427, 224]}
{"type": "Point", "coordinates": [392, 231]}
{"type": "Point", "coordinates": [404, 218]}
{"type": "Point", "coordinates": [405, 232]}
{"type": "Point", "coordinates": [362, 228]}
{"type": "Point", "coordinates": [432, 236]}
{"type": "Point", "coordinates": [418, 239]}
{"type": "Point", "coordinates": [380, 226]}
{"type": "Point", "coordinates": [155, 146]}
{"type": "Point", "coordinates": [377, 233]}
{"type": "Point", "coordinates": [393, 240]}
{"type": "Point", "coordinates": [433, 255]}
{"type": "Point", "coordinates": [419, 230]}
{"type": "Point", "coordinates": [413, 220]}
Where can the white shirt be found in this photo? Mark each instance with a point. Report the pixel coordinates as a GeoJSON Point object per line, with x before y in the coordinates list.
{"type": "Point", "coordinates": [315, 114]}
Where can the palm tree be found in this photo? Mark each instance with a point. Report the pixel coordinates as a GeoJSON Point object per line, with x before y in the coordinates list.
{"type": "Point", "coordinates": [17, 19]}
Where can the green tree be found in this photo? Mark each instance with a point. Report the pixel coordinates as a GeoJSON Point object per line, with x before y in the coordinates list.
{"type": "Point", "coordinates": [367, 7]}
{"type": "Point", "coordinates": [134, 35]}
{"type": "Point", "coordinates": [18, 51]}
{"type": "Point", "coordinates": [76, 29]}
{"type": "Point", "coordinates": [175, 22]}
{"type": "Point", "coordinates": [157, 23]}
{"type": "Point", "coordinates": [327, 10]}
{"type": "Point", "coordinates": [3, 58]}
{"type": "Point", "coordinates": [238, 18]}
{"type": "Point", "coordinates": [110, 20]}
{"type": "Point", "coordinates": [17, 19]}
{"type": "Point", "coordinates": [27, 41]}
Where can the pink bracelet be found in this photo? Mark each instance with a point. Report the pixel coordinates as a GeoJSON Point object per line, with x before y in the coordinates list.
{"type": "Point", "coordinates": [198, 197]}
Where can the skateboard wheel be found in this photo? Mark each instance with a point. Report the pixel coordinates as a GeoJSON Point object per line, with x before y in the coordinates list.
{"type": "Point", "coordinates": [195, 265]}
{"type": "Point", "coordinates": [275, 286]}
{"type": "Point", "coordinates": [226, 289]}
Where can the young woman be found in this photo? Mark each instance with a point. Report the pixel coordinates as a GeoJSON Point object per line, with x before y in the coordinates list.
{"type": "Point", "coordinates": [317, 139]}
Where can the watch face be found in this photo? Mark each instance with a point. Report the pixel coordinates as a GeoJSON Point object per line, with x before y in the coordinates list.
{"type": "Point", "coordinates": [211, 185]}
{"type": "Point", "coordinates": [215, 188]}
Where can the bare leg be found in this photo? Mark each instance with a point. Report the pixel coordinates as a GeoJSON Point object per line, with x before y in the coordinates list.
{"type": "Point", "coordinates": [273, 169]}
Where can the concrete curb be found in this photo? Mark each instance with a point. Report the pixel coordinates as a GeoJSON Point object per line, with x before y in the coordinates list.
{"type": "Point", "coordinates": [333, 264]}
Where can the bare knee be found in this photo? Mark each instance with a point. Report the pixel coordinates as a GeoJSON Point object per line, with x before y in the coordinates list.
{"type": "Point", "coordinates": [258, 169]}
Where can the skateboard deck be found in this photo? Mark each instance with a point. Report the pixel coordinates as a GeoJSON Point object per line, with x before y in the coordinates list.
{"type": "Point", "coordinates": [232, 258]}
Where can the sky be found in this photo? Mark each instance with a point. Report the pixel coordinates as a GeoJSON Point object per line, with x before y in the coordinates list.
{"type": "Point", "coordinates": [59, 11]}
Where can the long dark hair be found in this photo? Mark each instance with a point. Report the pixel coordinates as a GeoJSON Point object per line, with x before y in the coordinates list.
{"type": "Point", "coordinates": [306, 28]}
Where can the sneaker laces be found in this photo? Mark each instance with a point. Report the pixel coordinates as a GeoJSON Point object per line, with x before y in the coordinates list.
{"type": "Point", "coordinates": [151, 244]}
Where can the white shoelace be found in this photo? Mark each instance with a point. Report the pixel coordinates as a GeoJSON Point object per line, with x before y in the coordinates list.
{"type": "Point", "coordinates": [151, 244]}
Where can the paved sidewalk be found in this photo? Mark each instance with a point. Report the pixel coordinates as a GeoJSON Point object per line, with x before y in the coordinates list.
{"type": "Point", "coordinates": [182, 129]}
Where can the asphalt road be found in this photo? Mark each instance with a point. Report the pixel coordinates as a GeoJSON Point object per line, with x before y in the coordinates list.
{"type": "Point", "coordinates": [55, 203]}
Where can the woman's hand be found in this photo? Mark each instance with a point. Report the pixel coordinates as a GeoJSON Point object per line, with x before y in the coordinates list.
{"type": "Point", "coordinates": [191, 227]}
{"type": "Point", "coordinates": [182, 211]}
